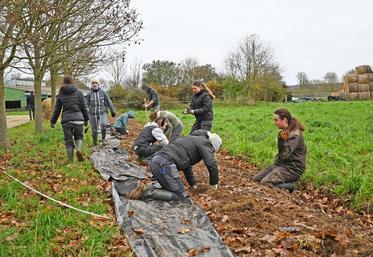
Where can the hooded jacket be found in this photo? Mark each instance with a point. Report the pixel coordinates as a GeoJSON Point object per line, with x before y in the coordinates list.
{"type": "Point", "coordinates": [98, 102]}
{"type": "Point", "coordinates": [187, 151]}
{"type": "Point", "coordinates": [201, 103]}
{"type": "Point", "coordinates": [71, 101]}
{"type": "Point", "coordinates": [122, 121]}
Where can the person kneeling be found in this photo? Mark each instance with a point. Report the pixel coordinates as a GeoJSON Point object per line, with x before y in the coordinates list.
{"type": "Point", "coordinates": [121, 124]}
{"type": "Point", "coordinates": [182, 154]}
{"type": "Point", "coordinates": [153, 132]}
{"type": "Point", "coordinates": [290, 162]}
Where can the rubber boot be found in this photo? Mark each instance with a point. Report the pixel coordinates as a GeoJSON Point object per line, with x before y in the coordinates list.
{"type": "Point", "coordinates": [94, 138]}
{"type": "Point", "coordinates": [289, 186]}
{"type": "Point", "coordinates": [159, 194]}
{"type": "Point", "coordinates": [70, 154]}
{"type": "Point", "coordinates": [79, 150]}
{"type": "Point", "coordinates": [103, 135]}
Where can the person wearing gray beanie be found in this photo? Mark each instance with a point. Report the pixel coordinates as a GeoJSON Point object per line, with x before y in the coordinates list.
{"type": "Point", "coordinates": [182, 154]}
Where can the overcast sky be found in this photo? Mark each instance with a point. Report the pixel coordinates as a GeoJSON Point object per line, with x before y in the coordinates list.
{"type": "Point", "coordinates": [312, 36]}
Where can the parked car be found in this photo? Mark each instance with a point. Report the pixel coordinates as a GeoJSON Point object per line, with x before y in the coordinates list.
{"type": "Point", "coordinates": [335, 98]}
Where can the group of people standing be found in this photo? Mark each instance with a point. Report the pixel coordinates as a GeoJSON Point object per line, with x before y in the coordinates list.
{"type": "Point", "coordinates": [160, 142]}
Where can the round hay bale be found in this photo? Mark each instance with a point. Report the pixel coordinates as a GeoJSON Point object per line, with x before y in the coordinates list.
{"type": "Point", "coordinates": [353, 87]}
{"type": "Point", "coordinates": [364, 95]}
{"type": "Point", "coordinates": [370, 76]}
{"type": "Point", "coordinates": [363, 78]}
{"type": "Point", "coordinates": [352, 78]}
{"type": "Point", "coordinates": [364, 88]}
{"type": "Point", "coordinates": [362, 69]}
{"type": "Point", "coordinates": [47, 108]}
{"type": "Point", "coordinates": [353, 96]}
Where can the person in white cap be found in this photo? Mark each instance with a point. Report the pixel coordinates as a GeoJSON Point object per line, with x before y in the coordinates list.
{"type": "Point", "coordinates": [182, 154]}
{"type": "Point", "coordinates": [98, 102]}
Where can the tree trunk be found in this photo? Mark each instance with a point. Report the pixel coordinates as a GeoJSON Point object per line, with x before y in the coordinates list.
{"type": "Point", "coordinates": [38, 107]}
{"type": "Point", "coordinates": [4, 140]}
{"type": "Point", "coordinates": [54, 77]}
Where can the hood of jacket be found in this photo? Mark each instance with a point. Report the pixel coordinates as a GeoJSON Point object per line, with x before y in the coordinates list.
{"type": "Point", "coordinates": [68, 89]}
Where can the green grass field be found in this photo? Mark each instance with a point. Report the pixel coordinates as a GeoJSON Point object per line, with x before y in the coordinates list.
{"type": "Point", "coordinates": [33, 226]}
{"type": "Point", "coordinates": [339, 136]}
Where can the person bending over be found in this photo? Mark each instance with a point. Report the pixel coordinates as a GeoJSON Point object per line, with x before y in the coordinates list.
{"type": "Point", "coordinates": [121, 124]}
{"type": "Point", "coordinates": [175, 127]}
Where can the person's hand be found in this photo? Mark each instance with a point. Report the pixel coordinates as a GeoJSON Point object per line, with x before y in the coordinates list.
{"type": "Point", "coordinates": [191, 111]}
{"type": "Point", "coordinates": [52, 125]}
{"type": "Point", "coordinates": [85, 123]}
{"type": "Point", "coordinates": [214, 187]}
{"type": "Point", "coordinates": [113, 114]}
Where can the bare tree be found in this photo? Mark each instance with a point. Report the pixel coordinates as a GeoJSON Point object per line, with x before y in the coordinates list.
{"type": "Point", "coordinates": [117, 69]}
{"type": "Point", "coordinates": [331, 78]}
{"type": "Point", "coordinates": [12, 33]}
{"type": "Point", "coordinates": [188, 70]}
{"type": "Point", "coordinates": [133, 77]}
{"type": "Point", "coordinates": [302, 78]}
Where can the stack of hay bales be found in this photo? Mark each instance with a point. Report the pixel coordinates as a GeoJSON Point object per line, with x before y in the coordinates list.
{"type": "Point", "coordinates": [359, 85]}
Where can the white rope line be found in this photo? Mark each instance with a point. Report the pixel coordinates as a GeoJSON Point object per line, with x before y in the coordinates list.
{"type": "Point", "coordinates": [56, 201]}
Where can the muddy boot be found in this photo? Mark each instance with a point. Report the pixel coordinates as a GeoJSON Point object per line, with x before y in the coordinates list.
{"type": "Point", "coordinates": [289, 186]}
{"type": "Point", "coordinates": [103, 135]}
{"type": "Point", "coordinates": [94, 138]}
{"type": "Point", "coordinates": [70, 154]}
{"type": "Point", "coordinates": [79, 150]}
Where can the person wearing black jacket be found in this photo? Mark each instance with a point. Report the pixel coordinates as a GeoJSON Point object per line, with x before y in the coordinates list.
{"type": "Point", "coordinates": [30, 100]}
{"type": "Point", "coordinates": [182, 154]}
{"type": "Point", "coordinates": [201, 107]}
{"type": "Point", "coordinates": [74, 114]}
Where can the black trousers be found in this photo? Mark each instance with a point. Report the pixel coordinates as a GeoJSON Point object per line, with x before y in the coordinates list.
{"type": "Point", "coordinates": [72, 132]}
{"type": "Point", "coordinates": [201, 124]}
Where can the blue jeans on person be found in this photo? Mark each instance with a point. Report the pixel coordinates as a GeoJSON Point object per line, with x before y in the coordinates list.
{"type": "Point", "coordinates": [96, 121]}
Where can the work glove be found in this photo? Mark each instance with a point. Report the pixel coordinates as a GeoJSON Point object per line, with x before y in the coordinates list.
{"type": "Point", "coordinates": [85, 123]}
{"type": "Point", "coordinates": [52, 125]}
{"type": "Point", "coordinates": [113, 114]}
{"type": "Point", "coordinates": [214, 187]}
{"type": "Point", "coordinates": [187, 111]}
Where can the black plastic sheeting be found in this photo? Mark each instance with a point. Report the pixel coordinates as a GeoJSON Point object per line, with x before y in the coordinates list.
{"type": "Point", "coordinates": [156, 228]}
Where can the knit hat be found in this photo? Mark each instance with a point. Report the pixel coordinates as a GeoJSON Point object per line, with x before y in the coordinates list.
{"type": "Point", "coordinates": [215, 140]}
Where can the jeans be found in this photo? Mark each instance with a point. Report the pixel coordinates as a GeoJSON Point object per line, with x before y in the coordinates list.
{"type": "Point", "coordinates": [96, 121]}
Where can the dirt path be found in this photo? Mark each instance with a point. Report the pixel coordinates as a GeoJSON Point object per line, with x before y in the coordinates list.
{"type": "Point", "coordinates": [255, 220]}
{"type": "Point", "coordinates": [15, 120]}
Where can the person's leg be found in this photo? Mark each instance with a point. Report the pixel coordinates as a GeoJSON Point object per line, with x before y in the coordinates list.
{"type": "Point", "coordinates": [94, 127]}
{"type": "Point", "coordinates": [69, 141]}
{"type": "Point", "coordinates": [121, 131]}
{"type": "Point", "coordinates": [33, 112]}
{"type": "Point", "coordinates": [103, 125]}
{"type": "Point", "coordinates": [79, 137]}
{"type": "Point", "coordinates": [279, 175]}
{"type": "Point", "coordinates": [176, 132]}
{"type": "Point", "coordinates": [167, 175]}
{"type": "Point", "coordinates": [206, 125]}
{"type": "Point", "coordinates": [259, 176]}
{"type": "Point", "coordinates": [196, 126]}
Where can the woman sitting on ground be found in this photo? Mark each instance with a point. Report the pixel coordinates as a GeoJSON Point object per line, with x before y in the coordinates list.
{"type": "Point", "coordinates": [290, 162]}
{"type": "Point", "coordinates": [145, 144]}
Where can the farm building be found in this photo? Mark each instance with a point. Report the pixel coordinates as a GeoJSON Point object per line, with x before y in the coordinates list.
{"type": "Point", "coordinates": [17, 90]}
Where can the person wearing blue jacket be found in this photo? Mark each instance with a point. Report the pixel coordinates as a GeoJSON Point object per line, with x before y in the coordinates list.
{"type": "Point", "coordinates": [121, 124]}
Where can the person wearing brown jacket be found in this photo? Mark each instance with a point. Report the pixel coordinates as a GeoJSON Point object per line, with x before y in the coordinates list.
{"type": "Point", "coordinates": [290, 162]}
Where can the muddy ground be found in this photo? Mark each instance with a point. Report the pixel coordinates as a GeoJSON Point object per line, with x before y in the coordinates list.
{"type": "Point", "coordinates": [255, 220]}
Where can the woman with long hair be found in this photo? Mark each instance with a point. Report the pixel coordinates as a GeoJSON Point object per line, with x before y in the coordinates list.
{"type": "Point", "coordinates": [201, 106]}
{"type": "Point", "coordinates": [290, 162]}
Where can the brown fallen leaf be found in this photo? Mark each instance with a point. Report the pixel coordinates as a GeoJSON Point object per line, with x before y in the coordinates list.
{"type": "Point", "coordinates": [130, 213]}
{"type": "Point", "coordinates": [225, 218]}
{"type": "Point", "coordinates": [183, 230]}
{"type": "Point", "coordinates": [205, 249]}
{"type": "Point", "coordinates": [246, 249]}
{"type": "Point", "coordinates": [138, 231]}
{"type": "Point", "coordinates": [192, 252]}
{"type": "Point", "coordinates": [185, 221]}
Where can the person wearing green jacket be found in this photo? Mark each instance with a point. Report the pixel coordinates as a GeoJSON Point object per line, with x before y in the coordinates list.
{"type": "Point", "coordinates": [121, 123]}
{"type": "Point", "coordinates": [175, 127]}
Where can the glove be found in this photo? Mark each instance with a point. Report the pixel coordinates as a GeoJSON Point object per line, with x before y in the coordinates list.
{"type": "Point", "coordinates": [85, 123]}
{"type": "Point", "coordinates": [52, 125]}
{"type": "Point", "coordinates": [214, 187]}
{"type": "Point", "coordinates": [113, 114]}
{"type": "Point", "coordinates": [191, 111]}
